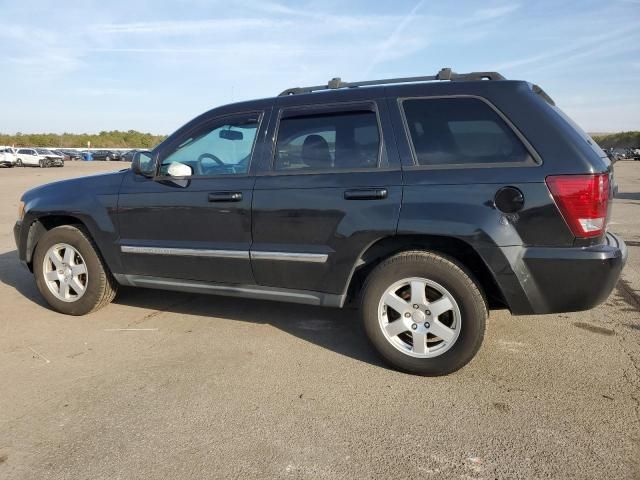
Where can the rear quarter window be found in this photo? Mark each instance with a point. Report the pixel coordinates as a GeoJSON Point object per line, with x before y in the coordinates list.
{"type": "Point", "coordinates": [461, 131]}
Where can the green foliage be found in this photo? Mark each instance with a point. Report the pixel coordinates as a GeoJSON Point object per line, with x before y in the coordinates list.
{"type": "Point", "coordinates": [113, 139]}
{"type": "Point", "coordinates": [619, 140]}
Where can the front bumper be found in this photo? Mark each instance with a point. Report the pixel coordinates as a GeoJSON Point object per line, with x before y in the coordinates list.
{"type": "Point", "coordinates": [540, 280]}
{"type": "Point", "coordinates": [17, 236]}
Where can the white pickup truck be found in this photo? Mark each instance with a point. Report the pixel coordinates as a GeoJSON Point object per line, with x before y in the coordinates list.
{"type": "Point", "coordinates": [7, 157]}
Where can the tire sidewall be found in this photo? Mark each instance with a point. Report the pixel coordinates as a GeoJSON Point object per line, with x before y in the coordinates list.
{"type": "Point", "coordinates": [77, 240]}
{"type": "Point", "coordinates": [472, 312]}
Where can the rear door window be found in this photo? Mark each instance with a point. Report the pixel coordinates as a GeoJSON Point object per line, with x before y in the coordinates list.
{"type": "Point", "coordinates": [461, 131]}
{"type": "Point", "coordinates": [327, 141]}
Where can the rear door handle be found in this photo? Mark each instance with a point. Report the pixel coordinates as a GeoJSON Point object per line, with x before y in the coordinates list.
{"type": "Point", "coordinates": [225, 196]}
{"type": "Point", "coordinates": [366, 194]}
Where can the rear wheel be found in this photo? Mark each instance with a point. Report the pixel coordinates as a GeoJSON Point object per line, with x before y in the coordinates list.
{"type": "Point", "coordinates": [18, 163]}
{"type": "Point", "coordinates": [423, 313]}
{"type": "Point", "coordinates": [69, 272]}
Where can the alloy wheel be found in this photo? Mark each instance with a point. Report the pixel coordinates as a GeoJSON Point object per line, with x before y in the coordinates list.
{"type": "Point", "coordinates": [65, 272]}
{"type": "Point", "coordinates": [419, 317]}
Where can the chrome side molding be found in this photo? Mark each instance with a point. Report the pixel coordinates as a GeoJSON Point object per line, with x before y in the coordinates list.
{"type": "Point", "coordinates": [185, 252]}
{"type": "Point", "coordinates": [290, 256]}
{"type": "Point", "coordinates": [239, 254]}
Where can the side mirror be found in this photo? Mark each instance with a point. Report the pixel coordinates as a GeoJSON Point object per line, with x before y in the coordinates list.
{"type": "Point", "coordinates": [143, 164]}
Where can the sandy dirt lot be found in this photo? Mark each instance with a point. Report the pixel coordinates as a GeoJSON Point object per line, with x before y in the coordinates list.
{"type": "Point", "coordinates": [213, 387]}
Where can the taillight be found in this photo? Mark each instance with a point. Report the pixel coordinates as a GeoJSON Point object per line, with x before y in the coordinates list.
{"type": "Point", "coordinates": [583, 201]}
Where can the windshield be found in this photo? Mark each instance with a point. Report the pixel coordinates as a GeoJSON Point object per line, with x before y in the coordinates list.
{"type": "Point", "coordinates": [44, 151]}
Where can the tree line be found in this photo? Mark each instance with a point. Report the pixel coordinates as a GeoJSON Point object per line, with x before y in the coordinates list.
{"type": "Point", "coordinates": [619, 140]}
{"type": "Point", "coordinates": [111, 139]}
{"type": "Point", "coordinates": [135, 139]}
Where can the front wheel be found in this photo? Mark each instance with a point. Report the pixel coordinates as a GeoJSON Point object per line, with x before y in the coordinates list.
{"type": "Point", "coordinates": [18, 163]}
{"type": "Point", "coordinates": [423, 313]}
{"type": "Point", "coordinates": [41, 163]}
{"type": "Point", "coordinates": [69, 272]}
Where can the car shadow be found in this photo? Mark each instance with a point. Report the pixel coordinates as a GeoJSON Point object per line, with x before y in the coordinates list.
{"type": "Point", "coordinates": [628, 195]}
{"type": "Point", "coordinates": [338, 330]}
{"type": "Point", "coordinates": [18, 277]}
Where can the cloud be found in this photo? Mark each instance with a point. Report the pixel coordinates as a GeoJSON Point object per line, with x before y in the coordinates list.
{"type": "Point", "coordinates": [495, 12]}
{"type": "Point", "coordinates": [575, 50]}
{"type": "Point", "coordinates": [101, 91]}
{"type": "Point", "coordinates": [188, 27]}
{"type": "Point", "coordinates": [392, 40]}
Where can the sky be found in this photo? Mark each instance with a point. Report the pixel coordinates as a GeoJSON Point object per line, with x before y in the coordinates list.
{"type": "Point", "coordinates": [89, 66]}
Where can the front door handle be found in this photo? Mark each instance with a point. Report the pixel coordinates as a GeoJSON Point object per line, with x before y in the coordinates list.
{"type": "Point", "coordinates": [225, 196]}
{"type": "Point", "coordinates": [366, 194]}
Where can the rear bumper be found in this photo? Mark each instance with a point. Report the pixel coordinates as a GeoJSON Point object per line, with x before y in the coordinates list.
{"type": "Point", "coordinates": [539, 280]}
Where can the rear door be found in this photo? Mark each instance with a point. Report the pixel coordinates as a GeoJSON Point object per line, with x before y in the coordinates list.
{"type": "Point", "coordinates": [29, 156]}
{"type": "Point", "coordinates": [329, 188]}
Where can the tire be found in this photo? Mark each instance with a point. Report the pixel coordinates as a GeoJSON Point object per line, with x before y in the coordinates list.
{"type": "Point", "coordinates": [18, 163]}
{"type": "Point", "coordinates": [466, 319]}
{"type": "Point", "coordinates": [100, 286]}
{"type": "Point", "coordinates": [41, 163]}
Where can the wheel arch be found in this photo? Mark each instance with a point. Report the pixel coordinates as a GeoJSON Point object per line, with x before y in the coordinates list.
{"type": "Point", "coordinates": [43, 224]}
{"type": "Point", "coordinates": [453, 247]}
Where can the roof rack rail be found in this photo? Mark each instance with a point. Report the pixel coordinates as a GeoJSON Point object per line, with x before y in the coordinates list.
{"type": "Point", "coordinates": [444, 74]}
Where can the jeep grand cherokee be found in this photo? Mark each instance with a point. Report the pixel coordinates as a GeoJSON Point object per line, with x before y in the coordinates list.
{"type": "Point", "coordinates": [426, 200]}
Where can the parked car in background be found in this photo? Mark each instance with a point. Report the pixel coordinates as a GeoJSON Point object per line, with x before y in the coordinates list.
{"type": "Point", "coordinates": [71, 154]}
{"type": "Point", "coordinates": [51, 159]}
{"type": "Point", "coordinates": [128, 156]}
{"type": "Point", "coordinates": [427, 201]}
{"type": "Point", "coordinates": [105, 155]}
{"type": "Point", "coordinates": [65, 156]}
{"type": "Point", "coordinates": [7, 157]}
{"type": "Point", "coordinates": [620, 153]}
{"type": "Point", "coordinates": [38, 157]}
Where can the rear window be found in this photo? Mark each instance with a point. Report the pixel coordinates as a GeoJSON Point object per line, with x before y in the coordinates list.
{"type": "Point", "coordinates": [585, 136]}
{"type": "Point", "coordinates": [461, 131]}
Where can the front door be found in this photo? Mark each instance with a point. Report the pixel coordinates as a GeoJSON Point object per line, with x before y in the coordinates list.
{"type": "Point", "coordinates": [193, 219]}
{"type": "Point", "coordinates": [330, 188]}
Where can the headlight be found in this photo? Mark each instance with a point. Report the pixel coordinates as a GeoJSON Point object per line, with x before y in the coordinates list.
{"type": "Point", "coordinates": [20, 210]}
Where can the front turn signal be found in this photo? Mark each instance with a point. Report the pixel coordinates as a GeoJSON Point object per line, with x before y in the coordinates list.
{"type": "Point", "coordinates": [20, 210]}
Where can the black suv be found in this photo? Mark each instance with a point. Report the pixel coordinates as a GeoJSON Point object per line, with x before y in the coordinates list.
{"type": "Point", "coordinates": [427, 201]}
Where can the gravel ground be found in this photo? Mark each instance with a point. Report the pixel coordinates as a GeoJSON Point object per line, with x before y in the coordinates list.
{"type": "Point", "coordinates": [212, 387]}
